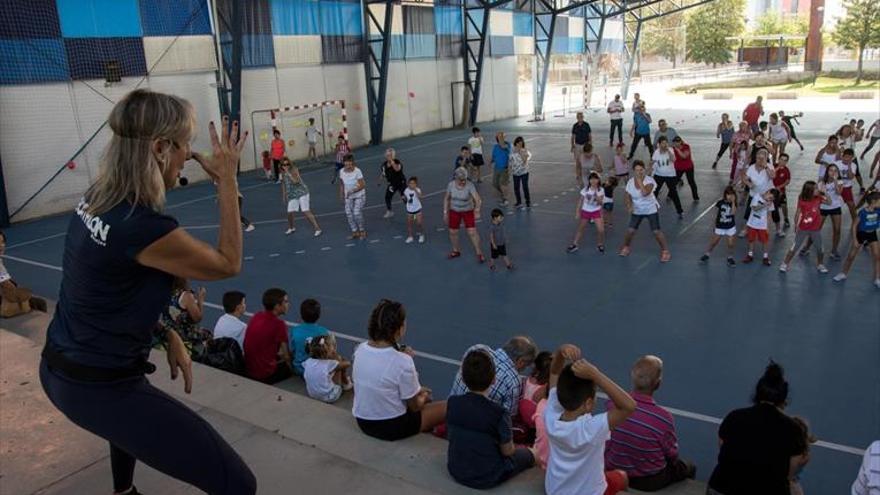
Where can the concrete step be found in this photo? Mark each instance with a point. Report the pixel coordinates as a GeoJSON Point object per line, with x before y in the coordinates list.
{"type": "Point", "coordinates": [288, 439]}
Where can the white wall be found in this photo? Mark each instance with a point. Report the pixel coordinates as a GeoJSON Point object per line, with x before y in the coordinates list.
{"type": "Point", "coordinates": [42, 126]}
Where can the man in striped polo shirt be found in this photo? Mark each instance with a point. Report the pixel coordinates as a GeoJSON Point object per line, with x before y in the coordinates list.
{"type": "Point", "coordinates": [646, 446]}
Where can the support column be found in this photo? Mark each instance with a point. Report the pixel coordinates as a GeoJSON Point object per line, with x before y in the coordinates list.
{"type": "Point", "coordinates": [631, 52]}
{"type": "Point", "coordinates": [377, 52]}
{"type": "Point", "coordinates": [544, 18]}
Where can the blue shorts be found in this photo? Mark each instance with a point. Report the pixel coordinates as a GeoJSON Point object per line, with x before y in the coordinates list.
{"type": "Point", "coordinates": [608, 206]}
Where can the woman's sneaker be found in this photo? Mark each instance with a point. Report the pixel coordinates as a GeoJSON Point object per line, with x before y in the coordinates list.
{"type": "Point", "coordinates": [290, 231]}
{"type": "Point", "coordinates": [704, 258]}
{"type": "Point", "coordinates": [731, 262]}
{"type": "Point", "coordinates": [783, 267]}
{"type": "Point", "coordinates": [840, 277]}
{"type": "Point", "coordinates": [409, 240]}
{"type": "Point", "coordinates": [421, 238]}
{"type": "Point", "coordinates": [572, 248]}
{"type": "Point", "coordinates": [822, 269]}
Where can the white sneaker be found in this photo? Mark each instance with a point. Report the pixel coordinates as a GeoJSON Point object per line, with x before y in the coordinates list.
{"type": "Point", "coordinates": [290, 231]}
{"type": "Point", "coordinates": [388, 214]}
{"type": "Point", "coordinates": [822, 269]}
{"type": "Point", "coordinates": [840, 277]}
{"type": "Point", "coordinates": [421, 238]}
{"type": "Point", "coordinates": [780, 233]}
{"type": "Point", "coordinates": [783, 267]}
{"type": "Point", "coordinates": [250, 228]}
{"type": "Point", "coordinates": [408, 240]}
{"type": "Point", "coordinates": [741, 234]}
{"type": "Point", "coordinates": [877, 283]}
{"type": "Point", "coordinates": [318, 232]}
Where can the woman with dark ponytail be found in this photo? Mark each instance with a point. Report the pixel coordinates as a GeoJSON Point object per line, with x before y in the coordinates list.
{"type": "Point", "coordinates": [389, 402]}
{"type": "Point", "coordinates": [761, 446]}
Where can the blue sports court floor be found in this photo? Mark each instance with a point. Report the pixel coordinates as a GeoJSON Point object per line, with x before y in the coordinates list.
{"type": "Point", "coordinates": [715, 327]}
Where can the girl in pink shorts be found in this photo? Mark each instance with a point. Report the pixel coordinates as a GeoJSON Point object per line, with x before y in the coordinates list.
{"type": "Point", "coordinates": [589, 210]}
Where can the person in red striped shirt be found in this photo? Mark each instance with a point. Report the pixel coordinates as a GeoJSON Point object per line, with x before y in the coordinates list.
{"type": "Point", "coordinates": [645, 445]}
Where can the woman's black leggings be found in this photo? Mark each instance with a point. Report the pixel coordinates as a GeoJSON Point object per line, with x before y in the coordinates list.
{"type": "Point", "coordinates": [390, 191]}
{"type": "Point", "coordinates": [671, 190]}
{"type": "Point", "coordinates": [647, 138]}
{"type": "Point", "coordinates": [522, 180]}
{"type": "Point", "coordinates": [244, 221]}
{"type": "Point", "coordinates": [721, 150]}
{"type": "Point", "coordinates": [143, 423]}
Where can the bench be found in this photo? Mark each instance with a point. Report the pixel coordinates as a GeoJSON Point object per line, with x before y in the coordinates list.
{"type": "Point", "coordinates": [858, 95]}
{"type": "Point", "coordinates": [782, 95]}
{"type": "Point", "coordinates": [289, 421]}
{"type": "Point", "coordinates": [717, 96]}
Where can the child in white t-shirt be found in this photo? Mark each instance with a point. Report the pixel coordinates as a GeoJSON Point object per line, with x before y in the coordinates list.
{"type": "Point", "coordinates": [324, 371]}
{"type": "Point", "coordinates": [412, 196]}
{"type": "Point", "coordinates": [576, 465]}
{"type": "Point", "coordinates": [762, 205]}
{"type": "Point", "coordinates": [476, 144]}
{"type": "Point", "coordinates": [589, 209]}
{"type": "Point", "coordinates": [312, 134]}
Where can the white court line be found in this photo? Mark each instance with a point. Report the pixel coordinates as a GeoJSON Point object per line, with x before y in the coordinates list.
{"type": "Point", "coordinates": [35, 241]}
{"type": "Point", "coordinates": [442, 359]}
{"type": "Point", "coordinates": [694, 222]}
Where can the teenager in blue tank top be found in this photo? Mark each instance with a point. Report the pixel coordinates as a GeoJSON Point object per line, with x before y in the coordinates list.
{"type": "Point", "coordinates": [121, 255]}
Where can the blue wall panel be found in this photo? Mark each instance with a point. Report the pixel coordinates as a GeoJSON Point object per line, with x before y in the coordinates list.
{"type": "Point", "coordinates": [522, 24]}
{"type": "Point", "coordinates": [420, 46]}
{"type": "Point", "coordinates": [175, 17]}
{"type": "Point", "coordinates": [99, 18]}
{"type": "Point", "coordinates": [447, 20]}
{"type": "Point", "coordinates": [341, 19]}
{"type": "Point", "coordinates": [296, 17]}
{"type": "Point", "coordinates": [32, 60]}
{"type": "Point", "coordinates": [87, 56]}
{"type": "Point", "coordinates": [257, 50]}
{"type": "Point", "coordinates": [501, 45]}
{"type": "Point", "coordinates": [30, 19]}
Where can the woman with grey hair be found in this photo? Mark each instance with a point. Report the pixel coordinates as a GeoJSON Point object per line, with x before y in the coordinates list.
{"type": "Point", "coordinates": [462, 204]}
{"type": "Point", "coordinates": [121, 255]}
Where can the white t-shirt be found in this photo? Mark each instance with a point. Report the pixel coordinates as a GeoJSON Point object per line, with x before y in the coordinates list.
{"type": "Point", "coordinates": [318, 376]}
{"type": "Point", "coordinates": [826, 159]}
{"type": "Point", "coordinates": [758, 217]}
{"type": "Point", "coordinates": [576, 465]}
{"type": "Point", "coordinates": [615, 109]}
{"type": "Point", "coordinates": [847, 172]}
{"type": "Point", "coordinates": [876, 132]}
{"type": "Point", "coordinates": [761, 181]}
{"type": "Point", "coordinates": [383, 379]}
{"type": "Point", "coordinates": [476, 145]}
{"type": "Point", "coordinates": [777, 132]}
{"type": "Point", "coordinates": [642, 204]}
{"type": "Point", "coordinates": [664, 163]}
{"type": "Point", "coordinates": [312, 134]}
{"type": "Point", "coordinates": [413, 204]}
{"type": "Point", "coordinates": [592, 199]}
{"type": "Point", "coordinates": [350, 181]}
{"type": "Point", "coordinates": [230, 326]}
{"type": "Point", "coordinates": [4, 275]}
{"type": "Point", "coordinates": [831, 192]}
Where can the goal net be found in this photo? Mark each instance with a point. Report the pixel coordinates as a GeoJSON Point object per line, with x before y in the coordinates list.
{"type": "Point", "coordinates": [329, 119]}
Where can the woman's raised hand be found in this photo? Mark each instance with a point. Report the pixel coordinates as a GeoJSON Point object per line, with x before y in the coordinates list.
{"type": "Point", "coordinates": [226, 147]}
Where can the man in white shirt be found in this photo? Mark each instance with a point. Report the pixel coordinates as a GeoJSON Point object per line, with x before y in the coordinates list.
{"type": "Point", "coordinates": [230, 324]}
{"type": "Point", "coordinates": [615, 112]}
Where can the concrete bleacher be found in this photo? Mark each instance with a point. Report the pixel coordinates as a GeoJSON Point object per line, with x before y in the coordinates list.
{"type": "Point", "coordinates": [291, 442]}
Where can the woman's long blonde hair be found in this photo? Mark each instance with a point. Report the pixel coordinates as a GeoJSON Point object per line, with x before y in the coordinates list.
{"type": "Point", "coordinates": [130, 169]}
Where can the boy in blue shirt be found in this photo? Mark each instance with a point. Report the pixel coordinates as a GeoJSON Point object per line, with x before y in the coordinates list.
{"type": "Point", "coordinates": [500, 170]}
{"type": "Point", "coordinates": [309, 312]}
{"type": "Point", "coordinates": [481, 452]}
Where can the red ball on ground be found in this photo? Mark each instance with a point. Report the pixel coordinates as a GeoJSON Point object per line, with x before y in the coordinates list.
{"type": "Point", "coordinates": [71, 165]}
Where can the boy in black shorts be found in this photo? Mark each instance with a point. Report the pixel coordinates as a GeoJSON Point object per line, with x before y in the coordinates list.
{"type": "Point", "coordinates": [498, 240]}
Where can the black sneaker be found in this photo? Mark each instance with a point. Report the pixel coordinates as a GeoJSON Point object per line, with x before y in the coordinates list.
{"type": "Point", "coordinates": [600, 248]}
{"type": "Point", "coordinates": [572, 248]}
{"type": "Point", "coordinates": [704, 258]}
{"type": "Point", "coordinates": [731, 263]}
{"type": "Point", "coordinates": [786, 224]}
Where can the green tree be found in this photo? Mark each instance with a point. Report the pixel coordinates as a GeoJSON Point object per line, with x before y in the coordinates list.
{"type": "Point", "coordinates": [707, 28]}
{"type": "Point", "coordinates": [859, 28]}
{"type": "Point", "coordinates": [664, 36]}
{"type": "Point", "coordinates": [771, 23]}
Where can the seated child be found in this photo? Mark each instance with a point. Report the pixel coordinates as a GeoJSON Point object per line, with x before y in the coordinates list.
{"type": "Point", "coordinates": [576, 465]}
{"type": "Point", "coordinates": [324, 371]}
{"type": "Point", "coordinates": [309, 312]}
{"type": "Point", "coordinates": [481, 451]}
{"type": "Point", "coordinates": [534, 389]}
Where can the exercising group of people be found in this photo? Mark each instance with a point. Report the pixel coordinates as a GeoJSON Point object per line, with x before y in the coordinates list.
{"type": "Point", "coordinates": [120, 247]}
